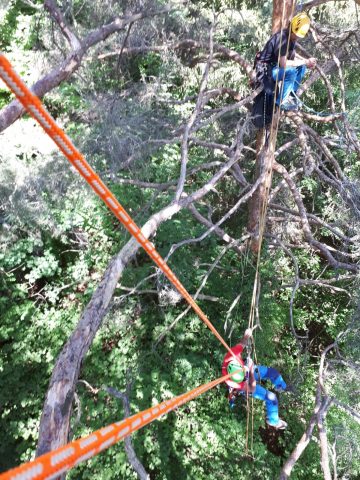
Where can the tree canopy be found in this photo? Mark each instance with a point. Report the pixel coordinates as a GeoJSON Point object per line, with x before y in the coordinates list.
{"type": "Point", "coordinates": [157, 97]}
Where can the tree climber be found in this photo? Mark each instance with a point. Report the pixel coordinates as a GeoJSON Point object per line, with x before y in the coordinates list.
{"type": "Point", "coordinates": [245, 378]}
{"type": "Point", "coordinates": [291, 67]}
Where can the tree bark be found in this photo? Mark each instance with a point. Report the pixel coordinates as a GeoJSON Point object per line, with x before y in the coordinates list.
{"type": "Point", "coordinates": [282, 13]}
{"type": "Point", "coordinates": [324, 448]}
{"type": "Point", "coordinates": [55, 418]}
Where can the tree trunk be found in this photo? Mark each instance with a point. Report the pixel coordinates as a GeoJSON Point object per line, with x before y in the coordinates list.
{"type": "Point", "coordinates": [282, 13]}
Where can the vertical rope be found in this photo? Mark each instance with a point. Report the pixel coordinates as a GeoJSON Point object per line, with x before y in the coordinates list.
{"type": "Point", "coordinates": [263, 211]}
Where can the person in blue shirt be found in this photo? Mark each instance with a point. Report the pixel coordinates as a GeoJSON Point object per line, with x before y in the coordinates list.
{"type": "Point", "coordinates": [245, 381]}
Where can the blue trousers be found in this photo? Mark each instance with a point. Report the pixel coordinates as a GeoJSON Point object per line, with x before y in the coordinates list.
{"type": "Point", "coordinates": [270, 399]}
{"type": "Point", "coordinates": [291, 77]}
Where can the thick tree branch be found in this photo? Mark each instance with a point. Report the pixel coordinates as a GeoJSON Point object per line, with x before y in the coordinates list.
{"type": "Point", "coordinates": [303, 442]}
{"type": "Point", "coordinates": [72, 62]}
{"type": "Point", "coordinates": [55, 419]}
{"type": "Point", "coordinates": [52, 7]}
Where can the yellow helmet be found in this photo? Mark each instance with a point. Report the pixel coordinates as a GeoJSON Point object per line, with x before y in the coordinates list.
{"type": "Point", "coordinates": [300, 24]}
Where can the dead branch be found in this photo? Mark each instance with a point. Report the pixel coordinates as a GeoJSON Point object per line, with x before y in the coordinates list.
{"type": "Point", "coordinates": [192, 119]}
{"type": "Point", "coordinates": [244, 197]}
{"type": "Point", "coordinates": [315, 244]}
{"type": "Point", "coordinates": [185, 47]}
{"type": "Point", "coordinates": [315, 3]}
{"type": "Point", "coordinates": [133, 291]}
{"type": "Point", "coordinates": [324, 448]}
{"type": "Point", "coordinates": [129, 449]}
{"type": "Point", "coordinates": [313, 219]}
{"type": "Point", "coordinates": [294, 286]}
{"type": "Point", "coordinates": [218, 231]}
{"type": "Point", "coordinates": [202, 285]}
{"type": "Point", "coordinates": [308, 159]}
{"type": "Point", "coordinates": [215, 114]}
{"type": "Point", "coordinates": [328, 67]}
{"type": "Point", "coordinates": [317, 118]}
{"type": "Point", "coordinates": [55, 418]}
{"type": "Point", "coordinates": [228, 315]}
{"type": "Point", "coordinates": [52, 7]}
{"type": "Point", "coordinates": [353, 413]}
{"type": "Point", "coordinates": [72, 62]}
{"type": "Point", "coordinates": [285, 147]}
{"type": "Point", "coordinates": [282, 184]}
{"type": "Point", "coordinates": [303, 442]}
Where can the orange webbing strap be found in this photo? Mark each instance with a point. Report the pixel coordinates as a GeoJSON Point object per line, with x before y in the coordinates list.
{"type": "Point", "coordinates": [36, 109]}
{"type": "Point", "coordinates": [54, 463]}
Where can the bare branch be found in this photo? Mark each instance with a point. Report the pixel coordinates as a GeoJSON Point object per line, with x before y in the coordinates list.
{"type": "Point", "coordinates": [324, 457]}
{"type": "Point", "coordinates": [314, 3]}
{"type": "Point", "coordinates": [295, 287]}
{"type": "Point", "coordinates": [134, 291]}
{"type": "Point", "coordinates": [72, 62]}
{"type": "Point", "coordinates": [129, 449]}
{"type": "Point", "coordinates": [218, 231]}
{"type": "Point", "coordinates": [327, 67]}
{"type": "Point", "coordinates": [52, 7]}
{"type": "Point", "coordinates": [202, 285]}
{"type": "Point", "coordinates": [191, 121]}
{"type": "Point", "coordinates": [187, 45]}
{"type": "Point", "coordinates": [313, 219]}
{"type": "Point", "coordinates": [308, 159]}
{"type": "Point", "coordinates": [303, 442]}
{"type": "Point", "coordinates": [315, 244]}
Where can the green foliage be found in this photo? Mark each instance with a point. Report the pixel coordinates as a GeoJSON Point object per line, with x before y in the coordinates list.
{"type": "Point", "coordinates": [9, 24]}
{"type": "Point", "coordinates": [57, 239]}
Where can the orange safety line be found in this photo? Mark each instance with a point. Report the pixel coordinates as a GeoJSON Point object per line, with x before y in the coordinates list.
{"type": "Point", "coordinates": [59, 461]}
{"type": "Point", "coordinates": [36, 109]}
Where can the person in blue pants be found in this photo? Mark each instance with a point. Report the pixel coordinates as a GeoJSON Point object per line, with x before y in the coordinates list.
{"type": "Point", "coordinates": [245, 380]}
{"type": "Point", "coordinates": [284, 64]}
{"type": "Point", "coordinates": [291, 78]}
{"type": "Point", "coordinates": [270, 399]}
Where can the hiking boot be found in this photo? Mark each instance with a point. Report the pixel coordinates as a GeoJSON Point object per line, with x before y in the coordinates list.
{"type": "Point", "coordinates": [296, 99]}
{"type": "Point", "coordinates": [290, 104]}
{"type": "Point", "coordinates": [281, 425]}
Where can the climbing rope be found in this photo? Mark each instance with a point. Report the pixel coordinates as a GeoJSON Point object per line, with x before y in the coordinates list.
{"type": "Point", "coordinates": [36, 109]}
{"type": "Point", "coordinates": [263, 212]}
{"type": "Point", "coordinates": [59, 461]}
{"type": "Point", "coordinates": [315, 112]}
